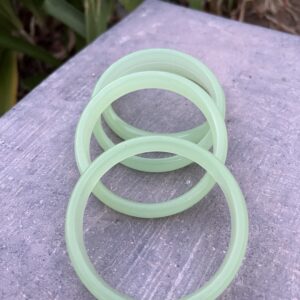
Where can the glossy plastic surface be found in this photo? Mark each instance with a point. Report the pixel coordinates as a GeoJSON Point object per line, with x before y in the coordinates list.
{"type": "Point", "coordinates": [165, 60]}
{"type": "Point", "coordinates": [217, 171]}
{"type": "Point", "coordinates": [137, 81]}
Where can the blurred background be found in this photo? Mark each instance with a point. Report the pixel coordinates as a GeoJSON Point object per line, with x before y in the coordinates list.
{"type": "Point", "coordinates": [36, 36]}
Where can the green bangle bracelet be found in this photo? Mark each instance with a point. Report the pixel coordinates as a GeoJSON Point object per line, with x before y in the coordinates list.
{"type": "Point", "coordinates": [162, 164]}
{"type": "Point", "coordinates": [168, 61]}
{"type": "Point", "coordinates": [219, 173]}
{"type": "Point", "coordinates": [138, 81]}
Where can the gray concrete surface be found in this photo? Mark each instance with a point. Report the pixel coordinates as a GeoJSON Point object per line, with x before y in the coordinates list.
{"type": "Point", "coordinates": [168, 258]}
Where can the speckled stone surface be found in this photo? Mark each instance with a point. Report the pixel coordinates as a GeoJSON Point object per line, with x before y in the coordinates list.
{"type": "Point", "coordinates": [168, 258]}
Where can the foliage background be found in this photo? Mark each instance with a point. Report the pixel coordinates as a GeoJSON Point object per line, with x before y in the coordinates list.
{"type": "Point", "coordinates": [36, 36]}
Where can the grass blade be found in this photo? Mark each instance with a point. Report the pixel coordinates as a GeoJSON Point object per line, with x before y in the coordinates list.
{"type": "Point", "coordinates": [8, 80]}
{"type": "Point", "coordinates": [67, 14]}
{"type": "Point", "coordinates": [20, 45]}
{"type": "Point", "coordinates": [130, 5]}
{"type": "Point", "coordinates": [197, 4]}
{"type": "Point", "coordinates": [94, 24]}
{"type": "Point", "coordinates": [7, 12]}
{"type": "Point", "coordinates": [97, 13]}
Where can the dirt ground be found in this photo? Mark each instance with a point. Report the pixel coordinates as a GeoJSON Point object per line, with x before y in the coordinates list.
{"type": "Point", "coordinates": [283, 15]}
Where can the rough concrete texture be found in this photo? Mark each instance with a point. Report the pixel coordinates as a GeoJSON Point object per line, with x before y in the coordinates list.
{"type": "Point", "coordinates": [168, 258]}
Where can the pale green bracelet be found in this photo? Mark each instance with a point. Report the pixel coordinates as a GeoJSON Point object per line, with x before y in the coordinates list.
{"type": "Point", "coordinates": [88, 180]}
{"type": "Point", "coordinates": [186, 77]}
{"type": "Point", "coordinates": [166, 60]}
{"type": "Point", "coordinates": [134, 82]}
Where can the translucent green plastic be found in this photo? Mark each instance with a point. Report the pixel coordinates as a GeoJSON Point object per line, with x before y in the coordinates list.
{"type": "Point", "coordinates": [218, 172]}
{"type": "Point", "coordinates": [165, 60]}
{"type": "Point", "coordinates": [182, 74]}
{"type": "Point", "coordinates": [134, 82]}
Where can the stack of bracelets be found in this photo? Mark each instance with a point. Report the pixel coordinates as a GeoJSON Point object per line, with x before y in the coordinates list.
{"type": "Point", "coordinates": [186, 76]}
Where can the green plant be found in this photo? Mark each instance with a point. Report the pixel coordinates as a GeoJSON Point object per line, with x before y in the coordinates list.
{"type": "Point", "coordinates": [14, 39]}
{"type": "Point", "coordinates": [84, 20]}
{"type": "Point", "coordinates": [8, 79]}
